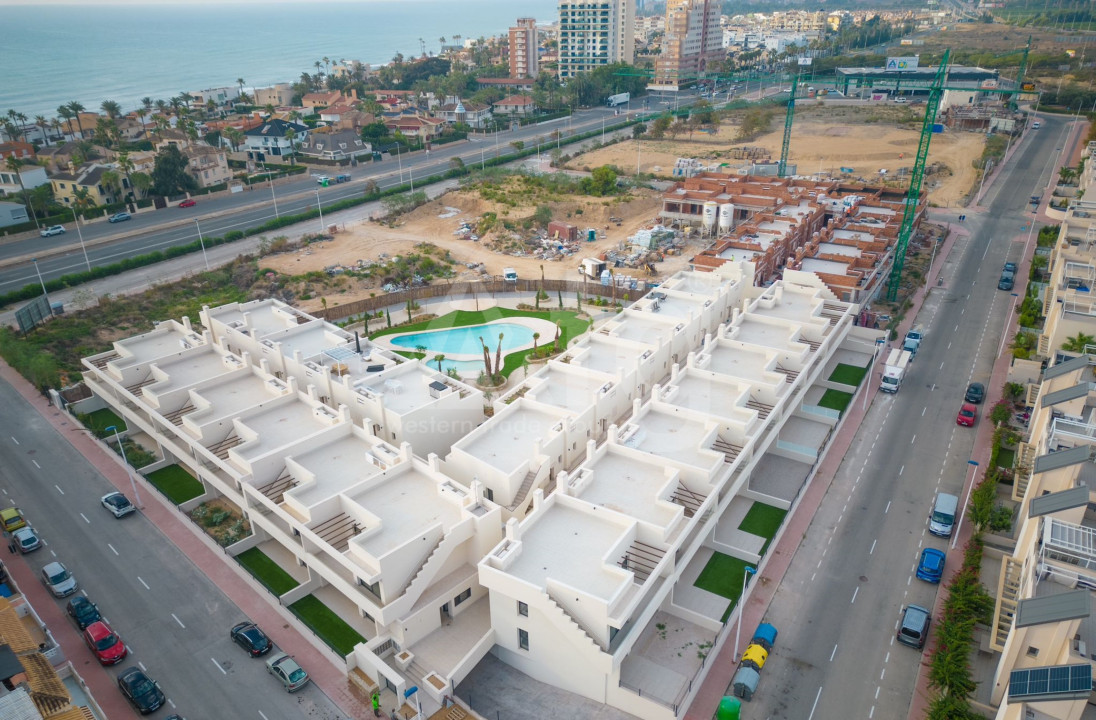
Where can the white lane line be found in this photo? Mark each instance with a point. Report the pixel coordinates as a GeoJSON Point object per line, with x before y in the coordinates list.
{"type": "Point", "coordinates": [881, 674]}
{"type": "Point", "coordinates": [949, 346]}
{"type": "Point", "coordinates": [143, 583]}
{"type": "Point", "coordinates": [819, 564]}
{"type": "Point", "coordinates": [59, 488]}
{"type": "Point", "coordinates": [923, 410]}
{"type": "Point", "coordinates": [264, 717]}
{"type": "Point", "coordinates": [14, 440]}
{"type": "Point", "coordinates": [871, 713]}
{"type": "Point", "coordinates": [53, 553]}
{"type": "Point", "coordinates": [941, 366]}
{"type": "Point", "coordinates": [901, 470]}
{"type": "Point", "coordinates": [85, 518]}
{"type": "Point", "coordinates": [855, 590]}
{"type": "Point", "coordinates": [886, 659]}
{"type": "Point", "coordinates": [887, 508]}
{"type": "Point", "coordinates": [112, 548]}
{"type": "Point", "coordinates": [172, 704]}
{"type": "Point", "coordinates": [5, 491]}
{"type": "Point", "coordinates": [812, 576]}
{"type": "Point", "coordinates": [873, 546]}
{"type": "Point", "coordinates": [223, 671]}
{"type": "Point", "coordinates": [142, 666]}
{"type": "Point", "coordinates": [178, 621]}
{"type": "Point", "coordinates": [36, 464]}
{"type": "Point", "coordinates": [833, 653]}
{"type": "Point", "coordinates": [909, 580]}
{"type": "Point", "coordinates": [913, 440]}
{"type": "Point", "coordinates": [815, 702]}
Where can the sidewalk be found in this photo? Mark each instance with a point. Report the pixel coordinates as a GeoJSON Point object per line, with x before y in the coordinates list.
{"type": "Point", "coordinates": [232, 580]}
{"type": "Point", "coordinates": [776, 563]}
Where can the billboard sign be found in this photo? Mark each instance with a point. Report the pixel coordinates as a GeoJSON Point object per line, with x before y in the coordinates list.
{"type": "Point", "coordinates": [33, 314]}
{"type": "Point", "coordinates": [901, 64]}
{"type": "Point", "coordinates": [805, 61]}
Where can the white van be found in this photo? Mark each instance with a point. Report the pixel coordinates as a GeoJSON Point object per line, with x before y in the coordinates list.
{"type": "Point", "coordinates": [1036, 125]}
{"type": "Point", "coordinates": [942, 519]}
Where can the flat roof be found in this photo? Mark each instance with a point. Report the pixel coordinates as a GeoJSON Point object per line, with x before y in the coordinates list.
{"type": "Point", "coordinates": [337, 467]}
{"type": "Point", "coordinates": [607, 353]}
{"type": "Point", "coordinates": [850, 251]}
{"type": "Point", "coordinates": [630, 486]}
{"type": "Point", "coordinates": [712, 397]}
{"type": "Point", "coordinates": [730, 358]}
{"type": "Point", "coordinates": [831, 267]}
{"type": "Point", "coordinates": [766, 334]}
{"type": "Point", "coordinates": [230, 398]}
{"type": "Point", "coordinates": [406, 504]}
{"type": "Point", "coordinates": [1053, 608]}
{"type": "Point", "coordinates": [671, 436]}
{"type": "Point", "coordinates": [642, 327]}
{"type": "Point", "coordinates": [1058, 501]}
{"type": "Point", "coordinates": [572, 391]}
{"type": "Point", "coordinates": [152, 345]}
{"type": "Point", "coordinates": [278, 426]}
{"type": "Point", "coordinates": [507, 441]}
{"type": "Point", "coordinates": [190, 369]}
{"type": "Point", "coordinates": [409, 390]}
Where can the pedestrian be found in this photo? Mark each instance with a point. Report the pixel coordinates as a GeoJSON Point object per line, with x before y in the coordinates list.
{"type": "Point", "coordinates": [376, 704]}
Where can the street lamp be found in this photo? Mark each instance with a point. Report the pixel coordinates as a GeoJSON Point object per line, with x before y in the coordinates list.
{"type": "Point", "coordinates": [398, 160]}
{"type": "Point", "coordinates": [411, 176]}
{"type": "Point", "coordinates": [80, 233]}
{"type": "Point", "coordinates": [132, 482]}
{"type": "Point", "coordinates": [741, 611]}
{"type": "Point", "coordinates": [35, 261]}
{"type": "Point", "coordinates": [274, 197]}
{"type": "Point", "coordinates": [320, 208]}
{"type": "Point", "coordinates": [201, 241]}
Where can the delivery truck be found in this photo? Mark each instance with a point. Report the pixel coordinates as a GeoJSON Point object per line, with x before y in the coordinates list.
{"type": "Point", "coordinates": [619, 99]}
{"type": "Point", "coordinates": [894, 371]}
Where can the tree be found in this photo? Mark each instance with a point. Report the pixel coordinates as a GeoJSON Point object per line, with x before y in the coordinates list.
{"type": "Point", "coordinates": [170, 176]}
{"type": "Point", "coordinates": [498, 356]}
{"type": "Point", "coordinates": [81, 199]}
{"type": "Point", "coordinates": [66, 115]}
{"type": "Point", "coordinates": [543, 216]}
{"type": "Point", "coordinates": [291, 136]}
{"type": "Point", "coordinates": [439, 359]}
{"type": "Point", "coordinates": [235, 136]}
{"type": "Point", "coordinates": [456, 163]}
{"type": "Point", "coordinates": [125, 164]}
{"type": "Point", "coordinates": [536, 336]}
{"type": "Point", "coordinates": [76, 108]}
{"type": "Point", "coordinates": [518, 145]}
{"type": "Point", "coordinates": [111, 108]}
{"type": "Point", "coordinates": [42, 123]}
{"type": "Point", "coordinates": [602, 182]}
{"type": "Point", "coordinates": [373, 132]}
{"type": "Point", "coordinates": [14, 164]}
{"type": "Point", "coordinates": [112, 183]}
{"type": "Point", "coordinates": [1078, 342]}
{"type": "Point", "coordinates": [240, 82]}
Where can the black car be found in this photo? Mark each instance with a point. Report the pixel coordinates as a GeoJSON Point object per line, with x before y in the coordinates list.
{"type": "Point", "coordinates": [976, 393]}
{"type": "Point", "coordinates": [248, 636]}
{"type": "Point", "coordinates": [82, 611]}
{"type": "Point", "coordinates": [145, 695]}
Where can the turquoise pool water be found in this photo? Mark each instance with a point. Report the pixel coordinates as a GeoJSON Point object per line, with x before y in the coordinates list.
{"type": "Point", "coordinates": [465, 340]}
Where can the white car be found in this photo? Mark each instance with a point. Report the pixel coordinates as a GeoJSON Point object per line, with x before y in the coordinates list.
{"type": "Point", "coordinates": [52, 230]}
{"type": "Point", "coordinates": [118, 504]}
{"type": "Point", "coordinates": [58, 579]}
{"type": "Point", "coordinates": [288, 672]}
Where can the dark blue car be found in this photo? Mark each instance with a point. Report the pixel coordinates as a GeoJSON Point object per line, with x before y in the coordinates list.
{"type": "Point", "coordinates": [931, 567]}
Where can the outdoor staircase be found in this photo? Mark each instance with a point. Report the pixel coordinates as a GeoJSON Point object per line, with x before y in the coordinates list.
{"type": "Point", "coordinates": [530, 478]}
{"type": "Point", "coordinates": [220, 449]}
{"type": "Point", "coordinates": [730, 452]}
{"type": "Point", "coordinates": [812, 344]}
{"type": "Point", "coordinates": [138, 387]}
{"type": "Point", "coordinates": [789, 375]}
{"type": "Point", "coordinates": [832, 312]}
{"type": "Point", "coordinates": [101, 362]}
{"type": "Point", "coordinates": [762, 409]}
{"type": "Point", "coordinates": [337, 531]}
{"type": "Point", "coordinates": [688, 499]}
{"type": "Point", "coordinates": [570, 619]}
{"type": "Point", "coordinates": [175, 417]}
{"type": "Point", "coordinates": [1008, 596]}
{"type": "Point", "coordinates": [422, 567]}
{"type": "Point", "coordinates": [641, 559]}
{"type": "Point", "coordinates": [275, 489]}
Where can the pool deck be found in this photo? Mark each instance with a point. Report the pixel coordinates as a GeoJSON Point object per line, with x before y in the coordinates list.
{"type": "Point", "coordinates": [546, 329]}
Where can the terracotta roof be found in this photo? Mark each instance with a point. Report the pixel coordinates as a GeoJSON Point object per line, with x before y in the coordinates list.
{"type": "Point", "coordinates": [46, 689]}
{"type": "Point", "coordinates": [516, 100]}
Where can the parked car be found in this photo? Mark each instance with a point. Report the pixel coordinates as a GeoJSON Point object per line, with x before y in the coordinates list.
{"type": "Point", "coordinates": [12, 519]}
{"type": "Point", "coordinates": [118, 504]}
{"type": "Point", "coordinates": [323, 180]}
{"type": "Point", "coordinates": [144, 694]}
{"type": "Point", "coordinates": [1036, 125]}
{"type": "Point", "coordinates": [1011, 267]}
{"type": "Point", "coordinates": [189, 202]}
{"type": "Point", "coordinates": [286, 669]}
{"type": "Point", "coordinates": [58, 579]}
{"type": "Point", "coordinates": [976, 393]}
{"type": "Point", "coordinates": [82, 611]}
{"type": "Point", "coordinates": [931, 566]}
{"type": "Point", "coordinates": [52, 230]}
{"type": "Point", "coordinates": [914, 628]}
{"type": "Point", "coordinates": [105, 644]}
{"type": "Point", "coordinates": [119, 217]}
{"type": "Point", "coordinates": [342, 178]}
{"type": "Point", "coordinates": [1007, 281]}
{"type": "Point", "coordinates": [25, 540]}
{"type": "Point", "coordinates": [967, 415]}
{"type": "Point", "coordinates": [248, 636]}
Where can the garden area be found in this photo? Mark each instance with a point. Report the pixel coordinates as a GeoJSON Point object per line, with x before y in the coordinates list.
{"type": "Point", "coordinates": [835, 400]}
{"type": "Point", "coordinates": [222, 521]}
{"type": "Point", "coordinates": [176, 484]}
{"type": "Point", "coordinates": [848, 374]}
{"type": "Point", "coordinates": [328, 626]}
{"type": "Point", "coordinates": [266, 571]}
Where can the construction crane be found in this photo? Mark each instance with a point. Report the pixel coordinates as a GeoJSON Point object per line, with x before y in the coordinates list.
{"type": "Point", "coordinates": [913, 195]}
{"type": "Point", "coordinates": [789, 118]}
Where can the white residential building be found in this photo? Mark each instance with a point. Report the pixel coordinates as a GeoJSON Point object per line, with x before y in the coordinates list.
{"type": "Point", "coordinates": [594, 33]}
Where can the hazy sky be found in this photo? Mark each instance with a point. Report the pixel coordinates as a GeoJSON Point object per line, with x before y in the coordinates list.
{"type": "Point", "coordinates": [162, 2]}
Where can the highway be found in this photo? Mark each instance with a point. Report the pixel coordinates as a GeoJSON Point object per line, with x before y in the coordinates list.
{"type": "Point", "coordinates": [173, 619]}
{"type": "Point", "coordinates": [838, 607]}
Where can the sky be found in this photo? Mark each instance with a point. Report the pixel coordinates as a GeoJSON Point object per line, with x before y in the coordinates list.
{"type": "Point", "coordinates": [89, 3]}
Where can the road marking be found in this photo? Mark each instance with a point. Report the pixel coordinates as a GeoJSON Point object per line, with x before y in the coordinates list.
{"type": "Point", "coordinates": [901, 470]}
{"type": "Point", "coordinates": [812, 576]}
{"type": "Point", "coordinates": [819, 564]}
{"type": "Point", "coordinates": [844, 509]}
{"type": "Point", "coordinates": [913, 440]}
{"type": "Point", "coordinates": [949, 346]}
{"type": "Point", "coordinates": [888, 507]}
{"type": "Point", "coordinates": [815, 702]}
{"type": "Point", "coordinates": [112, 548]}
{"type": "Point", "coordinates": [53, 553]}
{"type": "Point", "coordinates": [833, 653]}
{"type": "Point", "coordinates": [873, 546]}
{"type": "Point", "coordinates": [855, 590]}
{"type": "Point", "coordinates": [57, 486]}
{"type": "Point", "coordinates": [178, 621]}
{"type": "Point", "coordinates": [886, 659]}
{"type": "Point", "coordinates": [941, 366]}
{"type": "Point", "coordinates": [5, 491]}
{"type": "Point", "coordinates": [871, 713]}
{"type": "Point", "coordinates": [909, 580]}
{"type": "Point", "coordinates": [36, 464]}
{"type": "Point", "coordinates": [923, 410]}
{"type": "Point", "coordinates": [956, 328]}
{"type": "Point", "coordinates": [142, 665]}
{"type": "Point", "coordinates": [881, 674]}
{"type": "Point", "coordinates": [223, 671]}
{"type": "Point", "coordinates": [169, 702]}
{"type": "Point", "coordinates": [14, 440]}
{"type": "Point", "coordinates": [85, 518]}
{"type": "Point", "coordinates": [892, 640]}
{"type": "Point", "coordinates": [264, 717]}
{"type": "Point", "coordinates": [143, 583]}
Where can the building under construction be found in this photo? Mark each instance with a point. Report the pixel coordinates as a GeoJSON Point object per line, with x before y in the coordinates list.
{"type": "Point", "coordinates": [843, 232]}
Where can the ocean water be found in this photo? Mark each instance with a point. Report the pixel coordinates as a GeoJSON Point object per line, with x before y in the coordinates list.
{"type": "Point", "coordinates": [54, 54]}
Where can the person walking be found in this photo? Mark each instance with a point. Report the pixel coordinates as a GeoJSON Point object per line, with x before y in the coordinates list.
{"type": "Point", "coordinates": [376, 704]}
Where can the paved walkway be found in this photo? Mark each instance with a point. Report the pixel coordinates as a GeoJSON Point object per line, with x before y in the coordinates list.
{"type": "Point", "coordinates": [224, 572]}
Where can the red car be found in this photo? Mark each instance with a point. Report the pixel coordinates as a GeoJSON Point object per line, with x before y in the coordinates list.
{"type": "Point", "coordinates": [104, 643]}
{"type": "Point", "coordinates": [189, 202]}
{"type": "Point", "coordinates": [967, 415]}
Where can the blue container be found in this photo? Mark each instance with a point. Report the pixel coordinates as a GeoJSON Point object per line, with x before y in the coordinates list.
{"type": "Point", "coordinates": [765, 636]}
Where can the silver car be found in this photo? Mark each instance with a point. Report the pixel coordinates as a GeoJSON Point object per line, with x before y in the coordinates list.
{"type": "Point", "coordinates": [52, 230]}
{"type": "Point", "coordinates": [286, 669]}
{"type": "Point", "coordinates": [58, 579]}
{"type": "Point", "coordinates": [25, 540]}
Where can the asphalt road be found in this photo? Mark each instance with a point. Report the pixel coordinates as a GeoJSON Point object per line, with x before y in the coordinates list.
{"type": "Point", "coordinates": [105, 243]}
{"type": "Point", "coordinates": [174, 621]}
{"type": "Point", "coordinates": [838, 607]}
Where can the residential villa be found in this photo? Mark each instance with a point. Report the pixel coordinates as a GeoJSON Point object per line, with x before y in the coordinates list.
{"type": "Point", "coordinates": [336, 145]}
{"type": "Point", "coordinates": [516, 106]}
{"type": "Point", "coordinates": [276, 95]}
{"type": "Point", "coordinates": [473, 114]}
{"type": "Point", "coordinates": [17, 149]}
{"type": "Point", "coordinates": [208, 165]}
{"type": "Point", "coordinates": [88, 177]}
{"type": "Point", "coordinates": [269, 142]}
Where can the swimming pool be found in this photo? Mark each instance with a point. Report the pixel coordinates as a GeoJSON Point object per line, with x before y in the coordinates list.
{"type": "Point", "coordinates": [465, 340]}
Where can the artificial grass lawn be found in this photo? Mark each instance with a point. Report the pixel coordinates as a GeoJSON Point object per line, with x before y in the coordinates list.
{"type": "Point", "coordinates": [330, 628]}
{"type": "Point", "coordinates": [177, 484]}
{"type": "Point", "coordinates": [723, 576]}
{"type": "Point", "coordinates": [835, 400]}
{"type": "Point", "coordinates": [570, 328]}
{"type": "Point", "coordinates": [100, 420]}
{"type": "Point", "coordinates": [848, 374]}
{"type": "Point", "coordinates": [763, 520]}
{"type": "Point", "coordinates": [266, 571]}
{"type": "Point", "coordinates": [1006, 458]}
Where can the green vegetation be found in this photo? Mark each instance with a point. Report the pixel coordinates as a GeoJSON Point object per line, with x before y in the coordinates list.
{"type": "Point", "coordinates": [723, 576]}
{"type": "Point", "coordinates": [99, 420]}
{"type": "Point", "coordinates": [266, 571]}
{"type": "Point", "coordinates": [763, 520]}
{"type": "Point", "coordinates": [328, 626]}
{"type": "Point", "coordinates": [835, 400]}
{"type": "Point", "coordinates": [1006, 458]}
{"type": "Point", "coordinates": [1048, 236]}
{"type": "Point", "coordinates": [848, 374]}
{"type": "Point", "coordinates": [135, 455]}
{"type": "Point", "coordinates": [176, 483]}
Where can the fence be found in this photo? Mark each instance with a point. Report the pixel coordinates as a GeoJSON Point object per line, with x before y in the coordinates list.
{"type": "Point", "coordinates": [489, 287]}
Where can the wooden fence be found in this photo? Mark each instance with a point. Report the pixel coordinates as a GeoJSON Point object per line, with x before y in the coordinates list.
{"type": "Point", "coordinates": [488, 288]}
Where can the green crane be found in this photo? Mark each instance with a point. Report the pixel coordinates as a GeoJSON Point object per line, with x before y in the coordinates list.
{"type": "Point", "coordinates": [789, 117]}
{"type": "Point", "coordinates": [1021, 73]}
{"type": "Point", "coordinates": [913, 195]}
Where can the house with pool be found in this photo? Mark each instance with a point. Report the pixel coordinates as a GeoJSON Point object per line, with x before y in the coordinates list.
{"type": "Point", "coordinates": [564, 534]}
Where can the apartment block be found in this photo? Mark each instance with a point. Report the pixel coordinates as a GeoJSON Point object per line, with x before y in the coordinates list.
{"type": "Point", "coordinates": [561, 533]}
{"type": "Point", "coordinates": [693, 39]}
{"type": "Point", "coordinates": [594, 33]}
{"type": "Point", "coordinates": [523, 49]}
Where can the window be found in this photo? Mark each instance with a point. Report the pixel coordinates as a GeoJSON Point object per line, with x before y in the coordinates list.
{"type": "Point", "coordinates": [523, 609]}
{"type": "Point", "coordinates": [489, 494]}
{"type": "Point", "coordinates": [523, 639]}
{"type": "Point", "coordinates": [462, 597]}
{"type": "Point", "coordinates": [1032, 651]}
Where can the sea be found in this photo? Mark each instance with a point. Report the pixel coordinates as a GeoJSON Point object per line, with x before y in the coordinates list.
{"type": "Point", "coordinates": [90, 52]}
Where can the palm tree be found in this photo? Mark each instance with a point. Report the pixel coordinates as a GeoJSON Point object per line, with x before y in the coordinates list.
{"type": "Point", "coordinates": [240, 82]}
{"type": "Point", "coordinates": [112, 183]}
{"type": "Point", "coordinates": [486, 358]}
{"type": "Point", "coordinates": [76, 108]}
{"type": "Point", "coordinates": [498, 356]}
{"type": "Point", "coordinates": [66, 115]}
{"type": "Point", "coordinates": [161, 106]}
{"type": "Point", "coordinates": [111, 108]}
{"type": "Point", "coordinates": [125, 164]}
{"type": "Point", "coordinates": [536, 336]}
{"type": "Point", "coordinates": [141, 114]}
{"type": "Point", "coordinates": [147, 103]}
{"type": "Point", "coordinates": [42, 123]}
{"type": "Point", "coordinates": [22, 119]}
{"type": "Point", "coordinates": [326, 65]}
{"type": "Point", "coordinates": [56, 125]}
{"type": "Point", "coordinates": [14, 164]}
{"type": "Point", "coordinates": [81, 199]}
{"type": "Point", "coordinates": [1078, 342]}
{"type": "Point", "coordinates": [291, 136]}
{"type": "Point", "coordinates": [439, 359]}
{"type": "Point", "coordinates": [186, 98]}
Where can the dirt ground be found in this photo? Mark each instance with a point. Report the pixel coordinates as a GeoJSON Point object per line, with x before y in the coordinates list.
{"type": "Point", "coordinates": [866, 138]}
